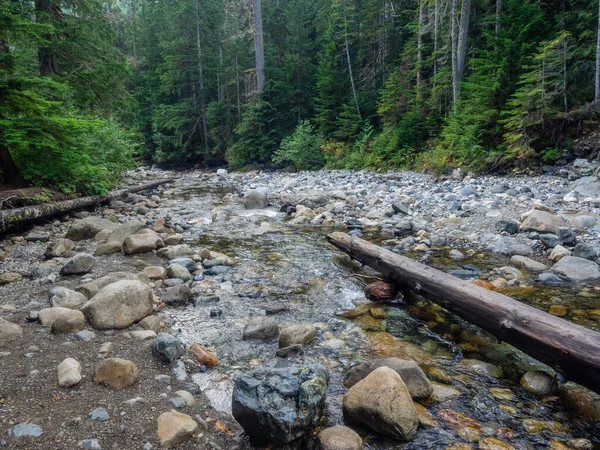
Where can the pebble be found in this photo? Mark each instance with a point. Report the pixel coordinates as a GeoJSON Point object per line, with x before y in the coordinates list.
{"type": "Point", "coordinates": [90, 444]}
{"type": "Point", "coordinates": [99, 415]}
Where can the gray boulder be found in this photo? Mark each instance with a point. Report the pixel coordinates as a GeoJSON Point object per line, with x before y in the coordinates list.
{"type": "Point", "coordinates": [66, 298]}
{"type": "Point", "coordinates": [91, 288]}
{"type": "Point", "coordinates": [125, 230]}
{"type": "Point", "coordinates": [275, 406]}
{"type": "Point", "coordinates": [78, 264]}
{"type": "Point", "coordinates": [301, 334]}
{"type": "Point", "coordinates": [178, 271]}
{"type": "Point", "coordinates": [261, 328]}
{"type": "Point", "coordinates": [176, 296]}
{"type": "Point", "coordinates": [578, 270]}
{"type": "Point", "coordinates": [88, 228]}
{"type": "Point", "coordinates": [255, 199]}
{"type": "Point", "coordinates": [541, 222]}
{"type": "Point", "coordinates": [9, 332]}
{"type": "Point", "coordinates": [142, 243]}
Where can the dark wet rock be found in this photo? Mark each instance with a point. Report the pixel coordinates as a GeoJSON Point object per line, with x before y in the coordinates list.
{"type": "Point", "coordinates": [216, 312]}
{"type": "Point", "coordinates": [584, 251]}
{"type": "Point", "coordinates": [255, 199]}
{"type": "Point", "coordinates": [415, 379]}
{"type": "Point", "coordinates": [549, 240]}
{"type": "Point", "coordinates": [271, 310]}
{"type": "Point", "coordinates": [302, 334]}
{"type": "Point", "coordinates": [167, 348]}
{"type": "Point", "coordinates": [261, 328]}
{"type": "Point", "coordinates": [577, 269]}
{"type": "Point", "coordinates": [550, 279]}
{"type": "Point", "coordinates": [275, 406]}
{"type": "Point", "coordinates": [539, 383]}
{"type": "Point", "coordinates": [79, 264]}
{"type": "Point", "coordinates": [119, 305]}
{"type": "Point", "coordinates": [566, 236]}
{"type": "Point", "coordinates": [188, 263]}
{"type": "Point", "coordinates": [289, 350]}
{"type": "Point", "coordinates": [582, 402]}
{"type": "Point", "coordinates": [177, 295]}
{"type": "Point", "coordinates": [217, 270]}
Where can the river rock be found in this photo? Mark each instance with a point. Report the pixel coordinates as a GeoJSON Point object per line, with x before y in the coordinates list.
{"type": "Point", "coordinates": [538, 382]}
{"type": "Point", "coordinates": [119, 305]}
{"type": "Point", "coordinates": [275, 406]}
{"type": "Point", "coordinates": [66, 298]}
{"type": "Point", "coordinates": [381, 402]}
{"type": "Point", "coordinates": [26, 430]}
{"type": "Point", "coordinates": [154, 273]}
{"type": "Point", "coordinates": [78, 264]}
{"type": "Point", "coordinates": [526, 263]}
{"type": "Point", "coordinates": [108, 248]}
{"type": "Point", "coordinates": [93, 287]}
{"type": "Point", "coordinates": [151, 323]}
{"type": "Point", "coordinates": [177, 296]}
{"type": "Point", "coordinates": [188, 263]}
{"type": "Point", "coordinates": [541, 222]}
{"type": "Point", "coordinates": [69, 372]}
{"type": "Point", "coordinates": [142, 243]}
{"type": "Point", "coordinates": [261, 328]}
{"type": "Point", "coordinates": [69, 323]}
{"type": "Point", "coordinates": [415, 379]}
{"type": "Point", "coordinates": [88, 228]}
{"type": "Point", "coordinates": [179, 272]}
{"type": "Point", "coordinates": [255, 199]}
{"type": "Point", "coordinates": [302, 334]}
{"type": "Point", "coordinates": [9, 332]}
{"type": "Point", "coordinates": [125, 230]}
{"type": "Point", "coordinates": [176, 251]}
{"type": "Point", "coordinates": [61, 247]}
{"type": "Point", "coordinates": [167, 348]}
{"type": "Point", "coordinates": [48, 316]}
{"type": "Point", "coordinates": [116, 373]}
{"type": "Point", "coordinates": [339, 438]}
{"type": "Point", "coordinates": [203, 356]}
{"type": "Point", "coordinates": [558, 253]}
{"type": "Point", "coordinates": [582, 402]}
{"type": "Point", "coordinates": [174, 428]}
{"type": "Point", "coordinates": [481, 368]}
{"type": "Point", "coordinates": [577, 269]}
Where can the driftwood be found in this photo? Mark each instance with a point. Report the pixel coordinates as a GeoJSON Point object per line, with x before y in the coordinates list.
{"type": "Point", "coordinates": [570, 349]}
{"type": "Point", "coordinates": [11, 218]}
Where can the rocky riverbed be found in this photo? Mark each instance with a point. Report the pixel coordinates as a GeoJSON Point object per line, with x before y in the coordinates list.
{"type": "Point", "coordinates": [211, 313]}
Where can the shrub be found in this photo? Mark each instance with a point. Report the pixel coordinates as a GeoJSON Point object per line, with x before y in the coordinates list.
{"type": "Point", "coordinates": [302, 149]}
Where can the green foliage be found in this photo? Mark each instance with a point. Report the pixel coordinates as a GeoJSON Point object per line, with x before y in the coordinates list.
{"type": "Point", "coordinates": [302, 149]}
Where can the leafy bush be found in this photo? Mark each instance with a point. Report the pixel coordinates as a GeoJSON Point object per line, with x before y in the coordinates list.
{"type": "Point", "coordinates": [302, 149]}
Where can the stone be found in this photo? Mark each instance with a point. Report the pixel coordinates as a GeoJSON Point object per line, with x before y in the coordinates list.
{"type": "Point", "coordinates": [177, 296]}
{"type": "Point", "coordinates": [9, 332]}
{"type": "Point", "coordinates": [541, 222]}
{"type": "Point", "coordinates": [69, 373]}
{"type": "Point", "coordinates": [91, 288]}
{"type": "Point", "coordinates": [508, 226]}
{"type": "Point", "coordinates": [426, 419]}
{"type": "Point", "coordinates": [549, 278]}
{"type": "Point", "coordinates": [69, 323]}
{"type": "Point", "coordinates": [261, 328]}
{"type": "Point", "coordinates": [108, 248]}
{"type": "Point", "coordinates": [48, 316]}
{"type": "Point", "coordinates": [88, 228]}
{"type": "Point", "coordinates": [10, 277]}
{"type": "Point", "coordinates": [167, 348]}
{"type": "Point", "coordinates": [302, 334]}
{"type": "Point", "coordinates": [482, 368]}
{"type": "Point", "coordinates": [178, 402]}
{"type": "Point", "coordinates": [203, 356]}
{"type": "Point", "coordinates": [456, 255]}
{"type": "Point", "coordinates": [106, 348]}
{"type": "Point", "coordinates": [143, 335]}
{"type": "Point", "coordinates": [125, 230]}
{"type": "Point", "coordinates": [66, 298]}
{"type": "Point", "coordinates": [26, 430]}
{"type": "Point", "coordinates": [275, 406]}
{"type": "Point", "coordinates": [178, 271]}
{"type": "Point", "coordinates": [151, 323]}
{"type": "Point", "coordinates": [188, 263]}
{"type": "Point", "coordinates": [526, 263]}
{"type": "Point", "coordinates": [339, 438]}
{"type": "Point", "coordinates": [558, 252]}
{"type": "Point", "coordinates": [584, 251]}
{"type": "Point", "coordinates": [154, 273]}
{"type": "Point", "coordinates": [581, 402]}
{"type": "Point", "coordinates": [176, 251]}
{"type": "Point", "coordinates": [99, 415]}
{"type": "Point", "coordinates": [577, 269]}
{"type": "Point", "coordinates": [414, 378]}
{"type": "Point", "coordinates": [119, 305]}
{"type": "Point", "coordinates": [558, 310]}
{"type": "Point", "coordinates": [62, 247]}
{"type": "Point", "coordinates": [90, 444]}
{"type": "Point", "coordinates": [85, 335]}
{"type": "Point", "coordinates": [116, 373]}
{"type": "Point", "coordinates": [142, 243]}
{"type": "Point", "coordinates": [174, 428]}
{"type": "Point", "coordinates": [255, 199]}
{"type": "Point", "coordinates": [539, 383]}
{"type": "Point", "coordinates": [566, 236]}
{"type": "Point", "coordinates": [174, 239]}
{"type": "Point", "coordinates": [78, 264]}
{"type": "Point", "coordinates": [443, 393]}
{"type": "Point", "coordinates": [381, 403]}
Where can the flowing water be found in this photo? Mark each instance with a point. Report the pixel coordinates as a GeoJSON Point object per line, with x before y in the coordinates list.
{"type": "Point", "coordinates": [296, 275]}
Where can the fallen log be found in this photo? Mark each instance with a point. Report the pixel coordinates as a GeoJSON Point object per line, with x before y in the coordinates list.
{"type": "Point", "coordinates": [572, 350]}
{"type": "Point", "coordinates": [11, 218]}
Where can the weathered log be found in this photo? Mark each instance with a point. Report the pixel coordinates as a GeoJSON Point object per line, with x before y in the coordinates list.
{"type": "Point", "coordinates": [11, 218]}
{"type": "Point", "coordinates": [570, 349]}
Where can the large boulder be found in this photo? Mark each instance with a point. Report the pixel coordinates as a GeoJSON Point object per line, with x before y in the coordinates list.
{"type": "Point", "coordinates": [255, 199]}
{"type": "Point", "coordinates": [541, 222]}
{"type": "Point", "coordinates": [88, 228]}
{"type": "Point", "coordinates": [91, 288]}
{"type": "Point", "coordinates": [119, 305]}
{"type": "Point", "coordinates": [142, 243]}
{"type": "Point", "coordinates": [415, 379]}
{"type": "Point", "coordinates": [177, 296]}
{"type": "Point", "coordinates": [9, 332]}
{"type": "Point", "coordinates": [381, 402]}
{"type": "Point", "coordinates": [61, 247]}
{"type": "Point", "coordinates": [78, 264]}
{"type": "Point", "coordinates": [339, 438]}
{"type": "Point", "coordinates": [125, 230]}
{"type": "Point", "coordinates": [275, 406]}
{"type": "Point", "coordinates": [575, 269]}
{"type": "Point", "coordinates": [66, 298]}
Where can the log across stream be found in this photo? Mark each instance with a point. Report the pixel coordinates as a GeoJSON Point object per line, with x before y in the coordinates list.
{"type": "Point", "coordinates": [572, 350]}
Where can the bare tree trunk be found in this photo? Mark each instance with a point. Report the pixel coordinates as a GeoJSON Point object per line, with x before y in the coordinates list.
{"type": "Point", "coordinates": [347, 49]}
{"type": "Point", "coordinates": [201, 79]}
{"type": "Point", "coordinates": [259, 46]}
{"type": "Point", "coordinates": [564, 87]}
{"type": "Point", "coordinates": [237, 88]}
{"type": "Point", "coordinates": [436, 44]}
{"type": "Point", "coordinates": [463, 36]}
{"type": "Point", "coordinates": [454, 38]}
{"type": "Point", "coordinates": [597, 93]}
{"type": "Point", "coordinates": [498, 17]}
{"type": "Point", "coordinates": [420, 48]}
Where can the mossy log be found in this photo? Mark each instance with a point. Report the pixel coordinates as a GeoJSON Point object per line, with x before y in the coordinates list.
{"type": "Point", "coordinates": [13, 218]}
{"type": "Point", "coordinates": [572, 350]}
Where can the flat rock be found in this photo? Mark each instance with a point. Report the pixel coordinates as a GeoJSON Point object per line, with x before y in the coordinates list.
{"type": "Point", "coordinates": [47, 316]}
{"type": "Point", "coordinates": [125, 230]}
{"type": "Point", "coordinates": [66, 298]}
{"type": "Point", "coordinates": [575, 269]}
{"type": "Point", "coordinates": [523, 262]}
{"type": "Point", "coordinates": [108, 248]}
{"type": "Point", "coordinates": [26, 430]}
{"type": "Point", "coordinates": [541, 222]}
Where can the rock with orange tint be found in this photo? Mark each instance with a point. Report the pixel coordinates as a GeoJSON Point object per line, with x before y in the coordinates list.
{"type": "Point", "coordinates": [174, 428]}
{"type": "Point", "coordinates": [380, 291]}
{"type": "Point", "coordinates": [203, 356]}
{"type": "Point", "coordinates": [117, 373]}
{"type": "Point", "coordinates": [466, 427]}
{"type": "Point", "coordinates": [490, 443]}
{"type": "Point", "coordinates": [484, 284]}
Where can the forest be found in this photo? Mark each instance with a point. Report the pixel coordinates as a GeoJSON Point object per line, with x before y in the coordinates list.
{"type": "Point", "coordinates": [88, 86]}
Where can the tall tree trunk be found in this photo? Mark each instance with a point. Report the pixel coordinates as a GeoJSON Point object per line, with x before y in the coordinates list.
{"type": "Point", "coordinates": [48, 62]}
{"type": "Point", "coordinates": [436, 44]}
{"type": "Point", "coordinates": [420, 33]}
{"type": "Point", "coordinates": [237, 88]}
{"type": "Point", "coordinates": [10, 171]}
{"type": "Point", "coordinates": [201, 79]}
{"type": "Point", "coordinates": [597, 93]}
{"type": "Point", "coordinates": [347, 50]}
{"type": "Point", "coordinates": [454, 39]}
{"type": "Point", "coordinates": [498, 17]}
{"type": "Point", "coordinates": [465, 14]}
{"type": "Point", "coordinates": [259, 46]}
